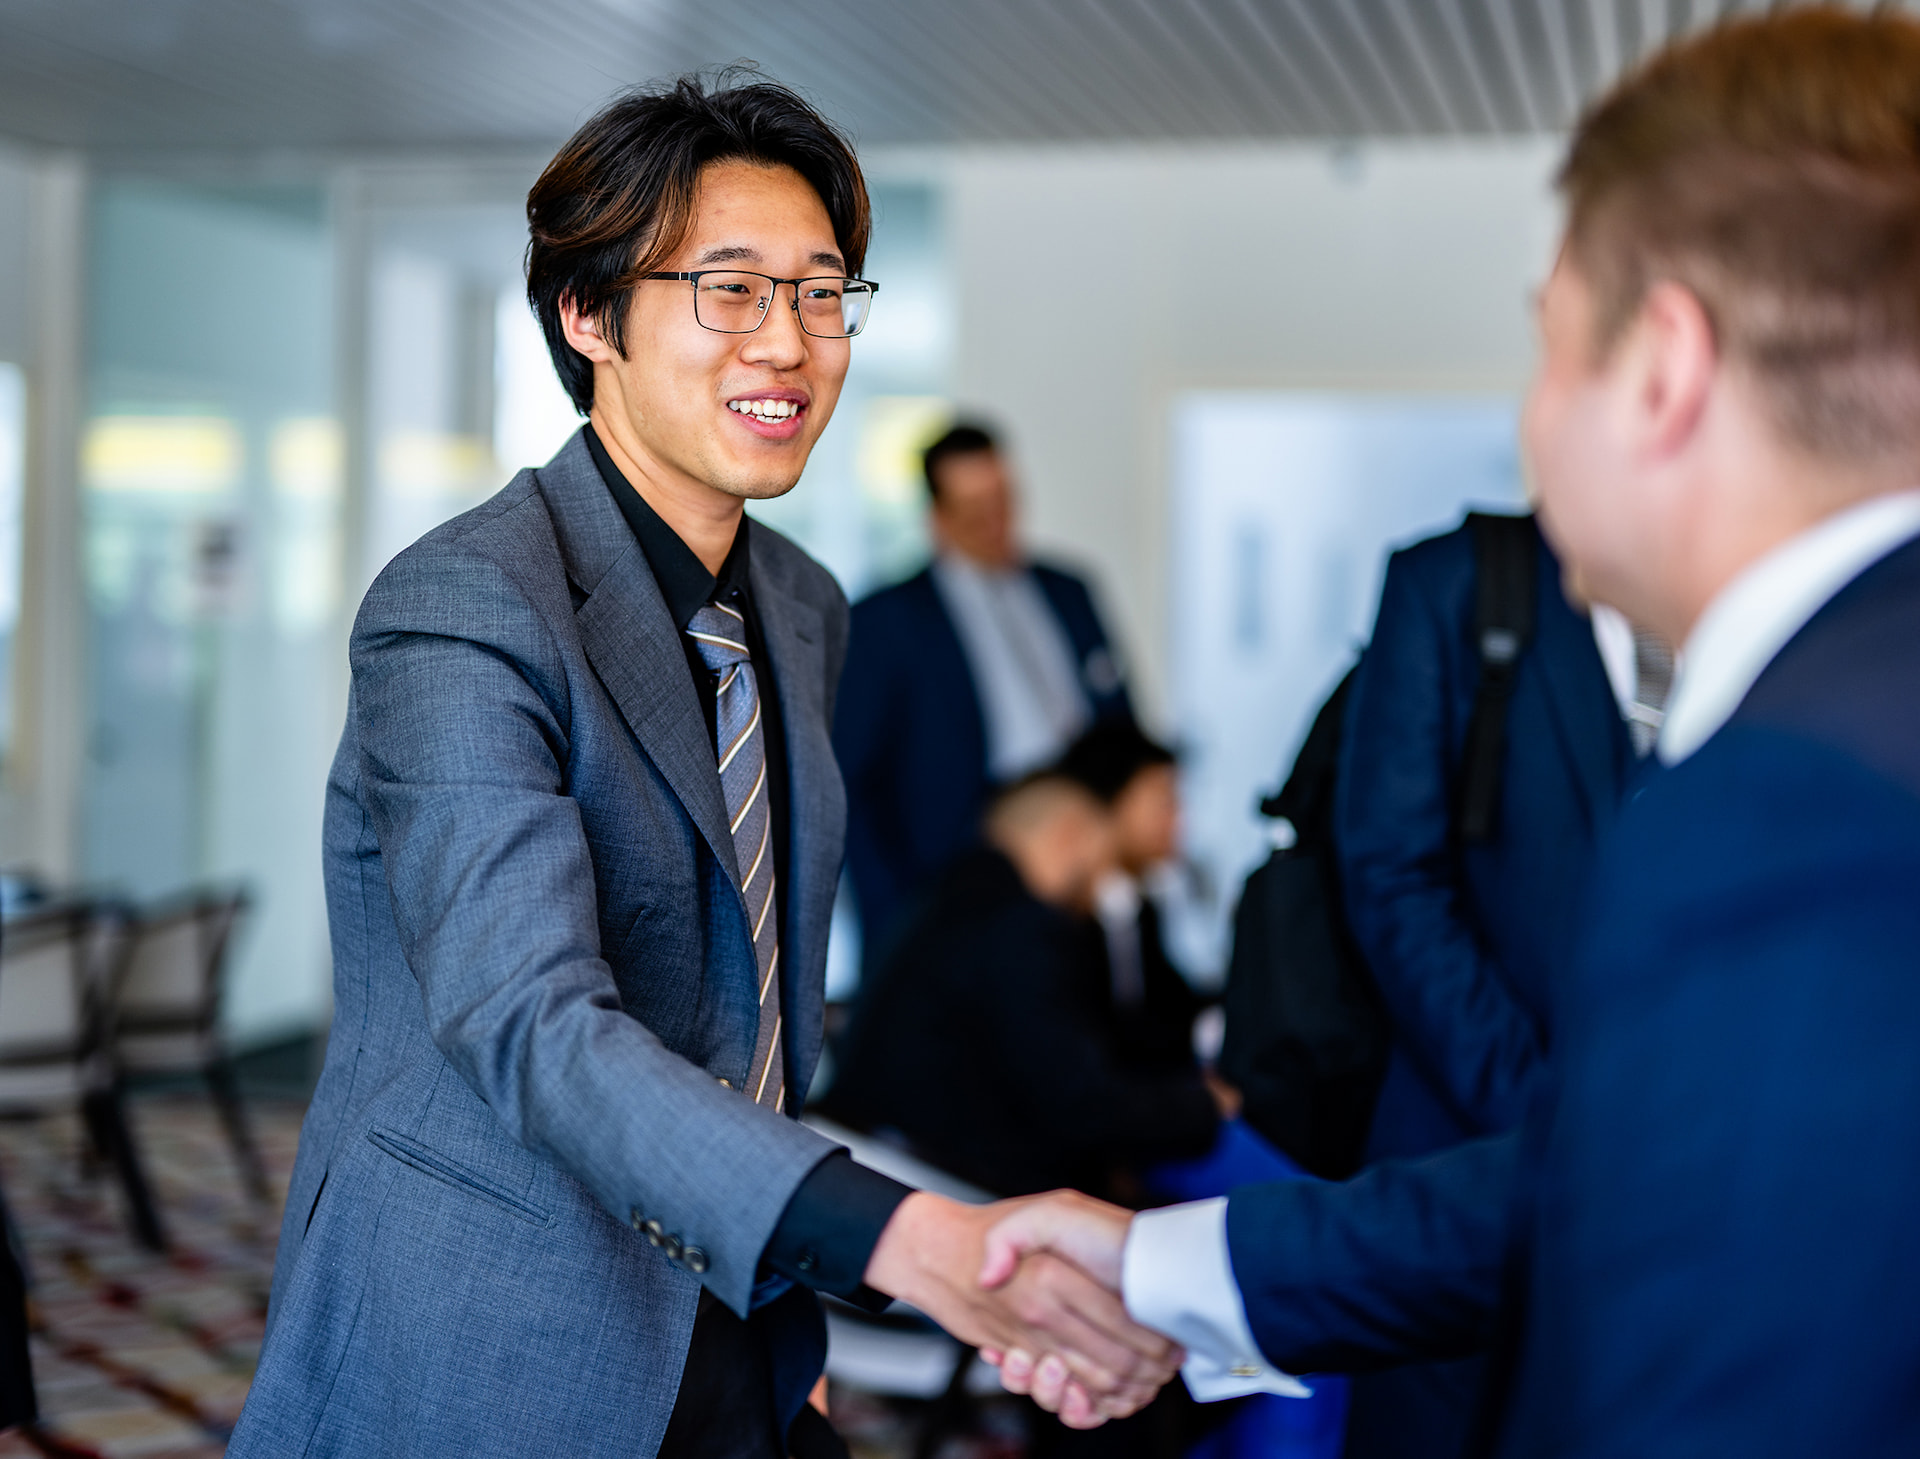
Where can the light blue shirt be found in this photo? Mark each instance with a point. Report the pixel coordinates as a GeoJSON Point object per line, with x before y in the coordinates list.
{"type": "Point", "coordinates": [1021, 660]}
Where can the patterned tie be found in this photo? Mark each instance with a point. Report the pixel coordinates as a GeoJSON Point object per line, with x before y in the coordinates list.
{"type": "Point", "coordinates": [720, 634]}
{"type": "Point", "coordinates": [1652, 684]}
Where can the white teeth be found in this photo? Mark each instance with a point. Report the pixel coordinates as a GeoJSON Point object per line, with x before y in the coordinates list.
{"type": "Point", "coordinates": [765, 410]}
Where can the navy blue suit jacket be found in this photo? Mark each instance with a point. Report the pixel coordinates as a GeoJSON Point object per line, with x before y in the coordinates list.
{"type": "Point", "coordinates": [1460, 939]}
{"type": "Point", "coordinates": [912, 740]}
{"type": "Point", "coordinates": [1708, 1244]}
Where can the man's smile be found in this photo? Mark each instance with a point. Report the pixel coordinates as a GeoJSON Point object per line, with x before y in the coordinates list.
{"type": "Point", "coordinates": [773, 415]}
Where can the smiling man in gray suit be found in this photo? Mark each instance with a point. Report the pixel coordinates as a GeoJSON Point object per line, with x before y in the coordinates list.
{"type": "Point", "coordinates": [582, 839]}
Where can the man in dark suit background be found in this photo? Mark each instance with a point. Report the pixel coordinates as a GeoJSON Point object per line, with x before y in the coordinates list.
{"type": "Point", "coordinates": [978, 669]}
{"type": "Point", "coordinates": [1461, 937]}
{"type": "Point", "coordinates": [1702, 1240]}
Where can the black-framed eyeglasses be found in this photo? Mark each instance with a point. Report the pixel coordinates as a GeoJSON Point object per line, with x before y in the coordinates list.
{"type": "Point", "coordinates": [733, 301]}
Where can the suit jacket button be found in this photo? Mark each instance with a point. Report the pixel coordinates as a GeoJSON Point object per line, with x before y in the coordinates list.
{"type": "Point", "coordinates": [694, 1260]}
{"type": "Point", "coordinates": [726, 1084]}
{"type": "Point", "coordinates": [671, 1245]}
{"type": "Point", "coordinates": [655, 1232]}
{"type": "Point", "coordinates": [633, 1217]}
{"type": "Point", "coordinates": [808, 1260]}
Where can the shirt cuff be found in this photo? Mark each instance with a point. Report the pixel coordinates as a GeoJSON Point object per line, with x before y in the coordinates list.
{"type": "Point", "coordinates": [831, 1225]}
{"type": "Point", "coordinates": [1177, 1278]}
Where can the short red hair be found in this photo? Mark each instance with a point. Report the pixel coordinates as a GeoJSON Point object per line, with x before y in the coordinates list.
{"type": "Point", "coordinates": [1772, 167]}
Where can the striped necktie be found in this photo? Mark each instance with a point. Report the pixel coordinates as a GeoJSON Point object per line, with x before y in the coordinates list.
{"type": "Point", "coordinates": [1652, 684]}
{"type": "Point", "coordinates": [719, 634]}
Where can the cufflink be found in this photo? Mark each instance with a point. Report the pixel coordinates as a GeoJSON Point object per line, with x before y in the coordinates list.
{"type": "Point", "coordinates": [1245, 1370]}
{"type": "Point", "coordinates": [726, 1084]}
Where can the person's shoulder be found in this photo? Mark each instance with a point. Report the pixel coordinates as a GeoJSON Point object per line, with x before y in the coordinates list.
{"type": "Point", "coordinates": [507, 531]}
{"type": "Point", "coordinates": [1850, 679]}
{"type": "Point", "coordinates": [1767, 818]}
{"type": "Point", "coordinates": [1443, 557]}
{"type": "Point", "coordinates": [470, 566]}
{"type": "Point", "coordinates": [884, 604]}
{"type": "Point", "coordinates": [1054, 573]}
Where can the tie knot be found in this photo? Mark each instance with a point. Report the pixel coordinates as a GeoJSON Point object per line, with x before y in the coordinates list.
{"type": "Point", "coordinates": [720, 635]}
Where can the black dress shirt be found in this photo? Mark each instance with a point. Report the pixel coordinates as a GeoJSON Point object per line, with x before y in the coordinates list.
{"type": "Point", "coordinates": [829, 1229]}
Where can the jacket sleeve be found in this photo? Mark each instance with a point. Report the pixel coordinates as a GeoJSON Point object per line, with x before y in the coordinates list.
{"type": "Point", "coordinates": [1405, 1262]}
{"type": "Point", "coordinates": [462, 714]}
{"type": "Point", "coordinates": [1400, 868]}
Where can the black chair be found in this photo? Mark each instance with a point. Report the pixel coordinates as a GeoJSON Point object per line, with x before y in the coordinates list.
{"type": "Point", "coordinates": [163, 1014]}
{"type": "Point", "coordinates": [53, 968]}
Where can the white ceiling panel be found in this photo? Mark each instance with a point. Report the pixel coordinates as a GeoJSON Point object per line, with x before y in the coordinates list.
{"type": "Point", "coordinates": [260, 75]}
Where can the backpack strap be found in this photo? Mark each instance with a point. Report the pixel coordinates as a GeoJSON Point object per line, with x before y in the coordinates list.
{"type": "Point", "coordinates": [1306, 799]}
{"type": "Point", "coordinates": [1506, 566]}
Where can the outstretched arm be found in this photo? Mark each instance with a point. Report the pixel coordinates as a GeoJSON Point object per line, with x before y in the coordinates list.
{"type": "Point", "coordinates": [1403, 1263]}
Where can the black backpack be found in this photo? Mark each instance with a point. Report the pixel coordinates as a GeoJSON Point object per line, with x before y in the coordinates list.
{"type": "Point", "coordinates": [1307, 1033]}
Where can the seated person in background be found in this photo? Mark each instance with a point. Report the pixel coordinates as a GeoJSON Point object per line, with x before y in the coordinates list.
{"type": "Point", "coordinates": [973, 1040]}
{"type": "Point", "coordinates": [1147, 1007]}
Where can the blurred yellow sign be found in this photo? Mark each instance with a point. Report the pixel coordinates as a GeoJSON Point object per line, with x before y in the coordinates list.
{"type": "Point", "coordinates": [305, 455]}
{"type": "Point", "coordinates": [894, 431]}
{"type": "Point", "coordinates": [192, 455]}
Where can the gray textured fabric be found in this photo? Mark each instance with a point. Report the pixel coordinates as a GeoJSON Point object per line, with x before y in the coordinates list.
{"type": "Point", "coordinates": [542, 972]}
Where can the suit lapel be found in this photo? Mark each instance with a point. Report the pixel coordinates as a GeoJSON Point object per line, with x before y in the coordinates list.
{"type": "Point", "coordinates": [632, 642]}
{"type": "Point", "coordinates": [1578, 696]}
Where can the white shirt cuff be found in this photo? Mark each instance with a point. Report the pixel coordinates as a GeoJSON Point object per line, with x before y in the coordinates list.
{"type": "Point", "coordinates": [1177, 1279]}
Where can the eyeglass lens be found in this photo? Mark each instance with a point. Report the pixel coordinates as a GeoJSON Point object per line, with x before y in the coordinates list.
{"type": "Point", "coordinates": [735, 303]}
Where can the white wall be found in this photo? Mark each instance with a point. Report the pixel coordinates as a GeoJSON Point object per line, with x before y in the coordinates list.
{"type": "Point", "coordinates": [42, 210]}
{"type": "Point", "coordinates": [1095, 284]}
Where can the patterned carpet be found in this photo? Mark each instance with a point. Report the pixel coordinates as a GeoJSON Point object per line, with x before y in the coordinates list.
{"type": "Point", "coordinates": [137, 1354]}
{"type": "Point", "coordinates": [150, 1356]}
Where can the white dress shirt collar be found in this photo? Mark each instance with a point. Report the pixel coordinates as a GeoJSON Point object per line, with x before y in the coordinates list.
{"type": "Point", "coordinates": [1755, 615]}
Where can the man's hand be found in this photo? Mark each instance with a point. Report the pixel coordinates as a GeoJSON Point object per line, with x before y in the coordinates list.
{"type": "Point", "coordinates": [1099, 1364]}
{"type": "Point", "coordinates": [1089, 1233]}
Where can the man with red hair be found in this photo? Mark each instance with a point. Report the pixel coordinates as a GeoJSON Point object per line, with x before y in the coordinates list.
{"type": "Point", "coordinates": [1702, 1242]}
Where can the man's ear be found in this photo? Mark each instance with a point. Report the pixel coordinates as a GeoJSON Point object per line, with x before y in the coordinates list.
{"type": "Point", "coordinates": [582, 331]}
{"type": "Point", "coordinates": [1674, 360]}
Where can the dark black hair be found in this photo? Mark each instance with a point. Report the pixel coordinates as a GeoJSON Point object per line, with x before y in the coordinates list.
{"type": "Point", "coordinates": [618, 198]}
{"type": "Point", "coordinates": [1107, 757]}
{"type": "Point", "coordinates": [962, 438]}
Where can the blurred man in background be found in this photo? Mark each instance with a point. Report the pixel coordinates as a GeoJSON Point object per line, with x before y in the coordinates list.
{"type": "Point", "coordinates": [974, 672]}
{"type": "Point", "coordinates": [1487, 744]}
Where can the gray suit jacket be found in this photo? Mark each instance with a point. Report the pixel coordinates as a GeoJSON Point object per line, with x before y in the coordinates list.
{"type": "Point", "coordinates": [542, 977]}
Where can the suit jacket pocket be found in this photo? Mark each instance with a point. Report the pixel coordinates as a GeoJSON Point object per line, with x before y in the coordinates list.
{"type": "Point", "coordinates": [433, 1163]}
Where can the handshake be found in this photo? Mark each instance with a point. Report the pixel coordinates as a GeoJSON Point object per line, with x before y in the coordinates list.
{"type": "Point", "coordinates": [1034, 1283]}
